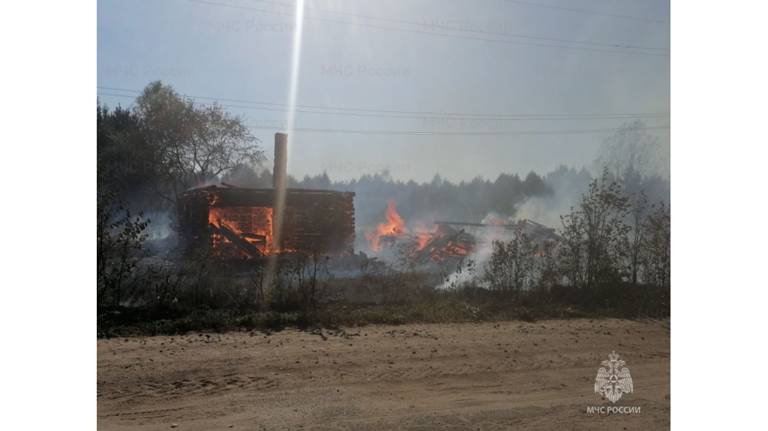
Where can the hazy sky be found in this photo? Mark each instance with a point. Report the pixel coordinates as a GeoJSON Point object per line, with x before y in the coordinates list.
{"type": "Point", "coordinates": [384, 62]}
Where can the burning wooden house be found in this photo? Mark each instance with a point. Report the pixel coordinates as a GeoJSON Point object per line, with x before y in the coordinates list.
{"type": "Point", "coordinates": [237, 222]}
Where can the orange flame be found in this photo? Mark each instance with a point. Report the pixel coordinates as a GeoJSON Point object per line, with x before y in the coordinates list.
{"type": "Point", "coordinates": [253, 224]}
{"type": "Point", "coordinates": [421, 234]}
{"type": "Point", "coordinates": [422, 239]}
{"type": "Point", "coordinates": [394, 227]}
{"type": "Point", "coordinates": [418, 240]}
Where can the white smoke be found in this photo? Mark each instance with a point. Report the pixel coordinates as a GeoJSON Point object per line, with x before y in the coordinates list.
{"type": "Point", "coordinates": [471, 270]}
{"type": "Point", "coordinates": [159, 226]}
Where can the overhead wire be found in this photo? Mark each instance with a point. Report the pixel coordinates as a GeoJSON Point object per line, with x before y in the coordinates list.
{"type": "Point", "coordinates": [450, 35]}
{"type": "Point", "coordinates": [366, 112]}
{"type": "Point", "coordinates": [467, 30]}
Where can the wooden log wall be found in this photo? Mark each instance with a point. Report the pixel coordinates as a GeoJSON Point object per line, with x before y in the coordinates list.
{"type": "Point", "coordinates": [316, 221]}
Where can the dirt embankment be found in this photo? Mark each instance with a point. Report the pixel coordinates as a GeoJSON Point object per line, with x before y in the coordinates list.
{"type": "Point", "coordinates": [443, 376]}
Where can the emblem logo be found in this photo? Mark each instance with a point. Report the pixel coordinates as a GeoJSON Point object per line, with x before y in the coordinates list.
{"type": "Point", "coordinates": [613, 379]}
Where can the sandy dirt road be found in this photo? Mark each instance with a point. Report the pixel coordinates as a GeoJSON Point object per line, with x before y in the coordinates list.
{"type": "Point", "coordinates": [487, 376]}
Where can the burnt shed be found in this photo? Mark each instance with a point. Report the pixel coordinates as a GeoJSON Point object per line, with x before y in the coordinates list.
{"type": "Point", "coordinates": [238, 222]}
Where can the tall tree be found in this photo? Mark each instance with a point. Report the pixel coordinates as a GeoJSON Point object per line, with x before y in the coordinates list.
{"type": "Point", "coordinates": [127, 163]}
{"type": "Point", "coordinates": [656, 245]}
{"type": "Point", "coordinates": [512, 264]}
{"type": "Point", "coordinates": [594, 235]}
{"type": "Point", "coordinates": [637, 214]}
{"type": "Point", "coordinates": [633, 150]}
{"type": "Point", "coordinates": [194, 143]}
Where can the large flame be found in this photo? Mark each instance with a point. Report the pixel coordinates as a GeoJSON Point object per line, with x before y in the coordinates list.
{"type": "Point", "coordinates": [252, 224]}
{"type": "Point", "coordinates": [437, 244]}
{"type": "Point", "coordinates": [394, 227]}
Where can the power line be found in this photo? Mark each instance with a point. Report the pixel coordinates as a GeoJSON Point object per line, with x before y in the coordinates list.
{"type": "Point", "coordinates": [362, 112]}
{"type": "Point", "coordinates": [436, 133]}
{"type": "Point", "coordinates": [467, 30]}
{"type": "Point", "coordinates": [585, 11]}
{"type": "Point", "coordinates": [456, 36]}
{"type": "Point", "coordinates": [445, 133]}
{"type": "Point", "coordinates": [529, 117]}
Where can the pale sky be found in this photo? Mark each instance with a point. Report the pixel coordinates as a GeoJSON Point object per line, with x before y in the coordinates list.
{"type": "Point", "coordinates": [392, 70]}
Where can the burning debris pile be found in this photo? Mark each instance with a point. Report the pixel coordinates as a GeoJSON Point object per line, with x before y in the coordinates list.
{"type": "Point", "coordinates": [418, 244]}
{"type": "Point", "coordinates": [444, 243]}
{"type": "Point", "coordinates": [448, 240]}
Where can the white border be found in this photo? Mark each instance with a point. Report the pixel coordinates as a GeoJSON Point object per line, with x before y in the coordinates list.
{"type": "Point", "coordinates": [719, 213]}
{"type": "Point", "coordinates": [48, 215]}
{"type": "Point", "coordinates": [719, 184]}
